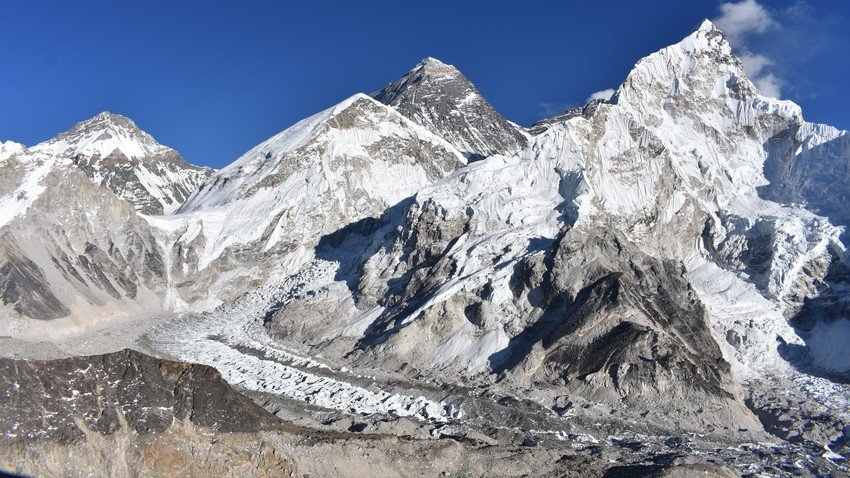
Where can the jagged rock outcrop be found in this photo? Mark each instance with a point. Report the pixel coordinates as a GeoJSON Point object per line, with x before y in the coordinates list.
{"type": "Point", "coordinates": [439, 97]}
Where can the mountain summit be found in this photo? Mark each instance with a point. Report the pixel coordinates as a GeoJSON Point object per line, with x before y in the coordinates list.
{"type": "Point", "coordinates": [438, 97]}
{"type": "Point", "coordinates": [659, 277]}
{"type": "Point", "coordinates": [103, 135]}
{"type": "Point", "coordinates": [113, 151]}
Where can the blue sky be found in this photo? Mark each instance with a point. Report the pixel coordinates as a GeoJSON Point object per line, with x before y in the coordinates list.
{"type": "Point", "coordinates": [212, 79]}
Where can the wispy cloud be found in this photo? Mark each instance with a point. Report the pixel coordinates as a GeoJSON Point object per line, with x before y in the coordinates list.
{"type": "Point", "coordinates": [605, 94]}
{"type": "Point", "coordinates": [756, 66]}
{"type": "Point", "coordinates": [737, 20]}
{"type": "Point", "coordinates": [770, 85]}
{"type": "Point", "coordinates": [740, 23]}
{"type": "Point", "coordinates": [549, 109]}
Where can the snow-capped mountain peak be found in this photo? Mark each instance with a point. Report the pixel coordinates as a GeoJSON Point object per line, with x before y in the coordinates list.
{"type": "Point", "coordinates": [430, 60]}
{"type": "Point", "coordinates": [113, 151]}
{"type": "Point", "coordinates": [707, 26]}
{"type": "Point", "coordinates": [348, 163]}
{"type": "Point", "coordinates": [709, 38]}
{"type": "Point", "coordinates": [435, 67]}
{"type": "Point", "coordinates": [291, 138]}
{"type": "Point", "coordinates": [103, 135]}
{"type": "Point", "coordinates": [267, 159]}
{"type": "Point", "coordinates": [703, 76]}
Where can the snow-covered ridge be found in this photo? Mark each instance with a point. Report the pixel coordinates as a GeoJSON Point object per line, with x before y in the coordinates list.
{"type": "Point", "coordinates": [29, 174]}
{"type": "Point", "coordinates": [272, 154]}
{"type": "Point", "coordinates": [348, 163]}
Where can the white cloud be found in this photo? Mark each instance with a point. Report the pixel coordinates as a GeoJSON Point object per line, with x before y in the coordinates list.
{"type": "Point", "coordinates": [737, 20]}
{"type": "Point", "coordinates": [755, 64]}
{"type": "Point", "coordinates": [769, 85]}
{"type": "Point", "coordinates": [601, 95]}
{"type": "Point", "coordinates": [741, 21]}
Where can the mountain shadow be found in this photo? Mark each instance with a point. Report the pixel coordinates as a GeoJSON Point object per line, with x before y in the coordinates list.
{"type": "Point", "coordinates": [353, 244]}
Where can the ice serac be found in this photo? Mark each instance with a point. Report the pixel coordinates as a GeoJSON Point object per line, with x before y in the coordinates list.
{"type": "Point", "coordinates": [439, 97]}
{"type": "Point", "coordinates": [114, 152]}
{"type": "Point", "coordinates": [343, 166]}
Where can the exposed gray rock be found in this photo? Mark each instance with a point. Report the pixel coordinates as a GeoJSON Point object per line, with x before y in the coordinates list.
{"type": "Point", "coordinates": [439, 97]}
{"type": "Point", "coordinates": [24, 285]}
{"type": "Point", "coordinates": [105, 393]}
{"type": "Point", "coordinates": [624, 328]}
{"type": "Point", "coordinates": [76, 249]}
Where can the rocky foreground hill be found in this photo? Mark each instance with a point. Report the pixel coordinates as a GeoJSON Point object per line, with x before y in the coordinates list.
{"type": "Point", "coordinates": [129, 414]}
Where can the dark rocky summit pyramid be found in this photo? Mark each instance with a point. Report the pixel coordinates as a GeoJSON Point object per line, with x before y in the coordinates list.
{"type": "Point", "coordinates": [439, 98]}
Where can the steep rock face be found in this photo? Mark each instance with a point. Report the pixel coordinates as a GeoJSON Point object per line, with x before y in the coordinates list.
{"type": "Point", "coordinates": [24, 285]}
{"type": "Point", "coordinates": [621, 327]}
{"type": "Point", "coordinates": [70, 248]}
{"type": "Point", "coordinates": [115, 153]}
{"type": "Point", "coordinates": [438, 97]}
{"type": "Point", "coordinates": [347, 164]}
